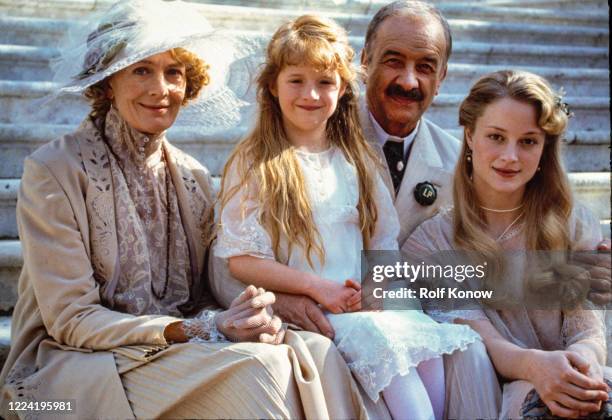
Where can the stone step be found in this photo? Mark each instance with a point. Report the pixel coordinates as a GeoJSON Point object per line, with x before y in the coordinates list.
{"type": "Point", "coordinates": [26, 62]}
{"type": "Point", "coordinates": [587, 151]}
{"type": "Point", "coordinates": [8, 201]}
{"type": "Point", "coordinates": [576, 82]}
{"type": "Point", "coordinates": [44, 31]}
{"type": "Point", "coordinates": [467, 23]}
{"type": "Point", "coordinates": [32, 62]}
{"type": "Point", "coordinates": [5, 338]}
{"type": "Point", "coordinates": [600, 5]}
{"type": "Point", "coordinates": [584, 12]}
{"type": "Point", "coordinates": [289, 9]}
{"type": "Point", "coordinates": [16, 99]}
{"type": "Point", "coordinates": [11, 261]}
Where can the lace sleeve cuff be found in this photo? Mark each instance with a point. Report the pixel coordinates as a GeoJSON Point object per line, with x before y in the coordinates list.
{"type": "Point", "coordinates": [203, 328]}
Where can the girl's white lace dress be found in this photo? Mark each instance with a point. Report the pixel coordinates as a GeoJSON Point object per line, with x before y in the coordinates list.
{"type": "Point", "coordinates": [376, 345]}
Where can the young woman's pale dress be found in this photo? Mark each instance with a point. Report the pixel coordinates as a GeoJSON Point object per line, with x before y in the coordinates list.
{"type": "Point", "coordinates": [524, 326]}
{"type": "Point", "coordinates": [376, 345]}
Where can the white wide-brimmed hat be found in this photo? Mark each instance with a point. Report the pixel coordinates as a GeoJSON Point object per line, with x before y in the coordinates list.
{"type": "Point", "coordinates": [131, 30]}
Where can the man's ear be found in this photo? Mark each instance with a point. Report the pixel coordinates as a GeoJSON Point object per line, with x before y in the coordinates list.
{"type": "Point", "coordinates": [364, 65]}
{"type": "Point", "coordinates": [441, 78]}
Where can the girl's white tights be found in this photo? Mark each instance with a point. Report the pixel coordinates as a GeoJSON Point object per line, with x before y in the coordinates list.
{"type": "Point", "coordinates": [419, 395]}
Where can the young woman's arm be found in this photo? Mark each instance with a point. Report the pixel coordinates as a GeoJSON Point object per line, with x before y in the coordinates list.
{"type": "Point", "coordinates": [272, 275]}
{"type": "Point", "coordinates": [556, 375]}
{"type": "Point", "coordinates": [584, 332]}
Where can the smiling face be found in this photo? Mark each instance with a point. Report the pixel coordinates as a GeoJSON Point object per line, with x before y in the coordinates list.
{"type": "Point", "coordinates": [148, 94]}
{"type": "Point", "coordinates": [307, 98]}
{"type": "Point", "coordinates": [404, 71]}
{"type": "Point", "coordinates": [506, 145]}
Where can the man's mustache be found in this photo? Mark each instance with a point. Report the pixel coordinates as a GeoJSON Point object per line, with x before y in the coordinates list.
{"type": "Point", "coordinates": [412, 94]}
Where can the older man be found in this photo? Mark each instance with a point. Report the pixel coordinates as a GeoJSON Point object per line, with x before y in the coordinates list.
{"type": "Point", "coordinates": [405, 58]}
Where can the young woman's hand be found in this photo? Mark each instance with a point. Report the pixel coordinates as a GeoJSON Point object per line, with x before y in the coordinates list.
{"type": "Point", "coordinates": [559, 379]}
{"type": "Point", "coordinates": [333, 296]}
{"type": "Point", "coordinates": [250, 318]}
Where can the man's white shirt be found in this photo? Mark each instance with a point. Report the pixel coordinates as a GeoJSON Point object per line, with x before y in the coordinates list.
{"type": "Point", "coordinates": [383, 136]}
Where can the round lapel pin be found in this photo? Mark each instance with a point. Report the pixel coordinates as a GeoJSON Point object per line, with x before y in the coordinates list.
{"type": "Point", "coordinates": [425, 193]}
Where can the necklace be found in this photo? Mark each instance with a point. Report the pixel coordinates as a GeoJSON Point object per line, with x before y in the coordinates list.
{"type": "Point", "coordinates": [502, 210]}
{"type": "Point", "coordinates": [509, 226]}
{"type": "Point", "coordinates": [168, 209]}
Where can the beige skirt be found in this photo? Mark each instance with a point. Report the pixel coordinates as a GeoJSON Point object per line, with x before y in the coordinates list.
{"type": "Point", "coordinates": [241, 380]}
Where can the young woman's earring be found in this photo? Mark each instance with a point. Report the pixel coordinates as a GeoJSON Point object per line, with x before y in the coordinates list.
{"type": "Point", "coordinates": [468, 156]}
{"type": "Point", "coordinates": [539, 168]}
{"type": "Point", "coordinates": [468, 160]}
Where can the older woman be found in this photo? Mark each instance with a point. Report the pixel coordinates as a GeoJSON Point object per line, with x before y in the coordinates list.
{"type": "Point", "coordinates": [511, 195]}
{"type": "Point", "coordinates": [113, 311]}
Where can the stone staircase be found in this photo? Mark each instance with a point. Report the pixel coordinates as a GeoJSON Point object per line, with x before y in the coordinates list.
{"type": "Point", "coordinates": [564, 40]}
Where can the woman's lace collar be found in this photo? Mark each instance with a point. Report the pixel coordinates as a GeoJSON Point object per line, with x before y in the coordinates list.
{"type": "Point", "coordinates": [126, 141]}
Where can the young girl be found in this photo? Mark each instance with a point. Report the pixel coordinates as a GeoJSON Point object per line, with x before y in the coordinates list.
{"type": "Point", "coordinates": [301, 198]}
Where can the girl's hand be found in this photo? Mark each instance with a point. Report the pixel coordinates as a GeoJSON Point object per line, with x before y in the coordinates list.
{"type": "Point", "coordinates": [354, 302]}
{"type": "Point", "coordinates": [250, 318]}
{"type": "Point", "coordinates": [333, 296]}
{"type": "Point", "coordinates": [558, 378]}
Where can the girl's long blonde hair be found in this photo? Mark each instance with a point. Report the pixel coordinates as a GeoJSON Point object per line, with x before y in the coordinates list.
{"type": "Point", "coordinates": [547, 200]}
{"type": "Point", "coordinates": [266, 156]}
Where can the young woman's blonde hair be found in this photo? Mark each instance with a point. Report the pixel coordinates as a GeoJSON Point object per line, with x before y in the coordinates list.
{"type": "Point", "coordinates": [547, 200]}
{"type": "Point", "coordinates": [267, 158]}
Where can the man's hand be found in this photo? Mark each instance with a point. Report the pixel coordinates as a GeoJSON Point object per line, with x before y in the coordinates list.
{"type": "Point", "coordinates": [599, 267]}
{"type": "Point", "coordinates": [303, 312]}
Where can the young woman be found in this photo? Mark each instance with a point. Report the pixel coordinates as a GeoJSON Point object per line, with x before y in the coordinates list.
{"type": "Point", "coordinates": [512, 194]}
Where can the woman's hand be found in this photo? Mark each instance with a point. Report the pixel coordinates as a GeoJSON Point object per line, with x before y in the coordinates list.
{"type": "Point", "coordinates": [250, 318]}
{"type": "Point", "coordinates": [560, 380]}
{"type": "Point", "coordinates": [333, 296]}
